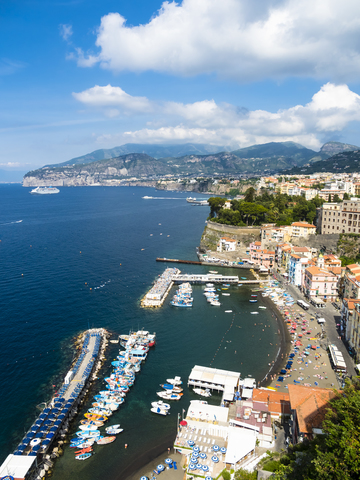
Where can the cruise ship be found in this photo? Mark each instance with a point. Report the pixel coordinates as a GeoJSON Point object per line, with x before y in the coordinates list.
{"type": "Point", "coordinates": [203, 202]}
{"type": "Point", "coordinates": [44, 191]}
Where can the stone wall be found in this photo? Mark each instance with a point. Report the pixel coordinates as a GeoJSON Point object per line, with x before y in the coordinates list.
{"type": "Point", "coordinates": [214, 231]}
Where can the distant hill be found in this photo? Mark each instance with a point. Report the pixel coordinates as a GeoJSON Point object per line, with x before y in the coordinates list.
{"type": "Point", "coordinates": [332, 148]}
{"type": "Point", "coordinates": [155, 151]}
{"type": "Point", "coordinates": [262, 159]}
{"type": "Point", "coordinates": [346, 162]}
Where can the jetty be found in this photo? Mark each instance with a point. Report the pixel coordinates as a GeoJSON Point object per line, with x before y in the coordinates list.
{"type": "Point", "coordinates": [33, 456]}
{"type": "Point", "coordinates": [220, 263]}
{"type": "Point", "coordinates": [157, 294]}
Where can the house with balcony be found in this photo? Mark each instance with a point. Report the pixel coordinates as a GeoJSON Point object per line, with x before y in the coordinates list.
{"type": "Point", "coordinates": [353, 331]}
{"type": "Point", "coordinates": [302, 229]}
{"type": "Point", "coordinates": [320, 283]}
{"type": "Point", "coordinates": [296, 268]}
{"type": "Point", "coordinates": [264, 258]}
{"type": "Point", "coordinates": [226, 244]}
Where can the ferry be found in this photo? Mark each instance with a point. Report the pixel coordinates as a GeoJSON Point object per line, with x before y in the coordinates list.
{"type": "Point", "coordinates": [44, 191]}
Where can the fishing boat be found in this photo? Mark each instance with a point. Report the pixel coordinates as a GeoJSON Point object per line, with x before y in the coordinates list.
{"type": "Point", "coordinates": [209, 285]}
{"type": "Point", "coordinates": [243, 278]}
{"type": "Point", "coordinates": [106, 440]}
{"type": "Point", "coordinates": [202, 392]}
{"type": "Point", "coordinates": [252, 301]}
{"type": "Point", "coordinates": [96, 423]}
{"type": "Point", "coordinates": [101, 411]}
{"type": "Point", "coordinates": [226, 294]}
{"type": "Point", "coordinates": [228, 311]}
{"type": "Point", "coordinates": [83, 456]}
{"type": "Point", "coordinates": [224, 288]}
{"type": "Point", "coordinates": [226, 284]}
{"type": "Point", "coordinates": [262, 307]}
{"type": "Point", "coordinates": [215, 303]}
{"type": "Point", "coordinates": [181, 303]}
{"type": "Point", "coordinates": [88, 427]}
{"type": "Point", "coordinates": [95, 417]}
{"type": "Point", "coordinates": [213, 271]}
{"type": "Point", "coordinates": [254, 313]}
{"type": "Point", "coordinates": [88, 433]}
{"type": "Point", "coordinates": [160, 411]}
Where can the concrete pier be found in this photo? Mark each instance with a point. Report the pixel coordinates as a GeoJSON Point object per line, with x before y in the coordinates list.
{"type": "Point", "coordinates": [32, 457]}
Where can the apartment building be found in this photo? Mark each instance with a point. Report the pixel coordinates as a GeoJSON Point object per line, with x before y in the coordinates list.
{"type": "Point", "coordinates": [302, 229]}
{"type": "Point", "coordinates": [320, 283]}
{"type": "Point", "coordinates": [340, 217]}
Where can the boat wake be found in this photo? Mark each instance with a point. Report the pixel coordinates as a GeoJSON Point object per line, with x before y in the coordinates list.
{"type": "Point", "coordinates": [11, 223]}
{"type": "Point", "coordinates": [102, 285]}
{"type": "Point", "coordinates": [163, 198]}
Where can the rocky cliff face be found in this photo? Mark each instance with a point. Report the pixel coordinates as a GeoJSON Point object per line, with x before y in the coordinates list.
{"type": "Point", "coordinates": [333, 148]}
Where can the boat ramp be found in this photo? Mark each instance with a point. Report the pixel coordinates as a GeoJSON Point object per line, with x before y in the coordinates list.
{"type": "Point", "coordinates": [43, 441]}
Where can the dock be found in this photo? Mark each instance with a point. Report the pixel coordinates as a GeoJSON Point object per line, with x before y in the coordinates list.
{"type": "Point", "coordinates": [43, 441]}
{"type": "Point", "coordinates": [243, 266]}
{"type": "Point", "coordinates": [159, 291]}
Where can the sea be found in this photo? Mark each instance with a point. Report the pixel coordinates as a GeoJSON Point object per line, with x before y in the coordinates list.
{"type": "Point", "coordinates": [55, 251]}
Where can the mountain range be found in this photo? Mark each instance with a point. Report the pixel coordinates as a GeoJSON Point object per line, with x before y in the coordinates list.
{"type": "Point", "coordinates": [255, 160]}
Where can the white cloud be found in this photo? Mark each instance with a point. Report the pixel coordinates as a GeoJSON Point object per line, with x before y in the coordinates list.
{"type": "Point", "coordinates": [330, 110]}
{"type": "Point", "coordinates": [236, 38]}
{"type": "Point", "coordinates": [109, 96]}
{"type": "Point", "coordinates": [66, 31]}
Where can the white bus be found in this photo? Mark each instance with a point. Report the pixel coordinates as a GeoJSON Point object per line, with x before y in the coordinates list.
{"type": "Point", "coordinates": [303, 304]}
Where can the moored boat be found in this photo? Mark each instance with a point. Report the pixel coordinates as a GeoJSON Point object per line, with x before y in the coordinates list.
{"type": "Point", "coordinates": [106, 440]}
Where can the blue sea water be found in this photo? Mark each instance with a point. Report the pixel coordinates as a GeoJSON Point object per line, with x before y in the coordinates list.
{"type": "Point", "coordinates": [53, 250]}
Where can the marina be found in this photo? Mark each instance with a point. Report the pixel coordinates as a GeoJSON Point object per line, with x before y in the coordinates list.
{"type": "Point", "coordinates": [32, 457]}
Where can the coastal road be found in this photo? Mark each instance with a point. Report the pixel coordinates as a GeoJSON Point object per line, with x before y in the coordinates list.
{"type": "Point", "coordinates": [332, 317]}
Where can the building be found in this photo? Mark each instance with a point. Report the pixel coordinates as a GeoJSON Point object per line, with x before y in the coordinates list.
{"type": "Point", "coordinates": [296, 269]}
{"type": "Point", "coordinates": [353, 332]}
{"type": "Point", "coordinates": [340, 217]}
{"type": "Point", "coordinates": [347, 315]}
{"type": "Point", "coordinates": [302, 229]}
{"type": "Point", "coordinates": [352, 281]}
{"type": "Point", "coordinates": [264, 258]}
{"type": "Point", "coordinates": [308, 407]}
{"type": "Point", "coordinates": [320, 283]}
{"type": "Point", "coordinates": [226, 244]}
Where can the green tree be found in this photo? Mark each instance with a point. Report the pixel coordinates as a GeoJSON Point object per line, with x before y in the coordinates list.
{"type": "Point", "coordinates": [216, 203]}
{"type": "Point", "coordinates": [250, 195]}
{"type": "Point", "coordinates": [336, 198]}
{"type": "Point", "coordinates": [346, 196]}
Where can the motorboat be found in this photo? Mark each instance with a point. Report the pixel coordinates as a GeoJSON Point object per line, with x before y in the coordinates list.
{"type": "Point", "coordinates": [83, 456]}
{"type": "Point", "coordinates": [253, 301]}
{"type": "Point", "coordinates": [174, 381]}
{"type": "Point", "coordinates": [202, 392]}
{"type": "Point", "coordinates": [159, 411]}
{"type": "Point", "coordinates": [88, 433]}
{"type": "Point", "coordinates": [254, 313]}
{"type": "Point", "coordinates": [226, 294]}
{"type": "Point", "coordinates": [171, 387]}
{"type": "Point", "coordinates": [262, 307]}
{"type": "Point", "coordinates": [168, 395]}
{"type": "Point", "coordinates": [160, 404]}
{"type": "Point", "coordinates": [88, 427]}
{"type": "Point", "coordinates": [215, 303]}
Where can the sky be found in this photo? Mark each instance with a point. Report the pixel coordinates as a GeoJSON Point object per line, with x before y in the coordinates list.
{"type": "Point", "coordinates": [81, 75]}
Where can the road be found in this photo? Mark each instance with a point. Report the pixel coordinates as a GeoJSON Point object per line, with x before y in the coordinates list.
{"type": "Point", "coordinates": [332, 317]}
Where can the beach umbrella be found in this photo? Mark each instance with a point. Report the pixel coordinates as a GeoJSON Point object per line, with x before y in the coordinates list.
{"type": "Point", "coordinates": [216, 448]}
{"type": "Point", "coordinates": [50, 435]}
{"type": "Point", "coordinates": [144, 478]}
{"type": "Point", "coordinates": [196, 449]}
{"type": "Point", "coordinates": [223, 450]}
{"type": "Point", "coordinates": [160, 467]}
{"type": "Point", "coordinates": [203, 455]}
{"type": "Point", "coordinates": [192, 466]}
{"type": "Point", "coordinates": [193, 459]}
{"type": "Point", "coordinates": [191, 443]}
{"type": "Point", "coordinates": [36, 448]}
{"type": "Point", "coordinates": [208, 478]}
{"type": "Point", "coordinates": [183, 423]}
{"type": "Point", "coordinates": [205, 468]}
{"type": "Point", "coordinates": [283, 371]}
{"type": "Point", "coordinates": [46, 441]}
{"type": "Point", "coordinates": [168, 461]}
{"type": "Point", "coordinates": [215, 459]}
{"type": "Point", "coordinates": [198, 466]}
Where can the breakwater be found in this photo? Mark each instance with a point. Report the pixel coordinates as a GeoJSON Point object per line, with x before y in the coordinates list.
{"type": "Point", "coordinates": [42, 443]}
{"type": "Point", "coordinates": [159, 291]}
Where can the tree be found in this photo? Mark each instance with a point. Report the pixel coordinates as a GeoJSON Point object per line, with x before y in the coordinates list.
{"type": "Point", "coordinates": [216, 203]}
{"type": "Point", "coordinates": [336, 198]}
{"type": "Point", "coordinates": [335, 454]}
{"type": "Point", "coordinates": [250, 194]}
{"type": "Point", "coordinates": [346, 196]}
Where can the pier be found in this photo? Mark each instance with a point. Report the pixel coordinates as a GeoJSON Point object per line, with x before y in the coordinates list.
{"type": "Point", "coordinates": [159, 291]}
{"type": "Point", "coordinates": [32, 457]}
{"type": "Point", "coordinates": [244, 266]}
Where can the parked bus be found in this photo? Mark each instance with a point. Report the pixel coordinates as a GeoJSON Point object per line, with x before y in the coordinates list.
{"type": "Point", "coordinates": [303, 304]}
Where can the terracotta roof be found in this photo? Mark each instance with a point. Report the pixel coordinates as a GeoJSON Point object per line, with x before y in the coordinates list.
{"type": "Point", "coordinates": [351, 302]}
{"type": "Point", "coordinates": [301, 249]}
{"type": "Point", "coordinates": [303, 224]}
{"type": "Point", "coordinates": [228, 239]}
{"type": "Point", "coordinates": [294, 256]}
{"type": "Point", "coordinates": [320, 272]}
{"type": "Point", "coordinates": [257, 243]}
{"type": "Point", "coordinates": [277, 402]}
{"type": "Point", "coordinates": [310, 405]}
{"type": "Point", "coordinates": [335, 270]}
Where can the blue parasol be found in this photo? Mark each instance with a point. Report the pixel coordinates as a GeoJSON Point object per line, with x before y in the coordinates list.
{"type": "Point", "coordinates": [192, 466]}
{"type": "Point", "coordinates": [160, 467]}
{"type": "Point", "coordinates": [198, 466]}
{"type": "Point", "coordinates": [208, 478]}
{"type": "Point", "coordinates": [191, 443]}
{"type": "Point", "coordinates": [223, 450]}
{"type": "Point", "coordinates": [216, 448]}
{"type": "Point", "coordinates": [203, 455]}
{"type": "Point", "coordinates": [168, 461]}
{"type": "Point", "coordinates": [196, 449]}
{"type": "Point", "coordinates": [215, 459]}
{"type": "Point", "coordinates": [205, 468]}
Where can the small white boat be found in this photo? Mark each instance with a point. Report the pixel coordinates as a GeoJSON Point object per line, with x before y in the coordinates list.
{"type": "Point", "coordinates": [263, 308]}
{"type": "Point", "coordinates": [159, 411]}
{"type": "Point", "coordinates": [113, 431]}
{"type": "Point", "coordinates": [213, 271]}
{"type": "Point", "coordinates": [228, 311]}
{"type": "Point", "coordinates": [168, 395]}
{"type": "Point", "coordinates": [174, 381]}
{"type": "Point", "coordinates": [254, 313]}
{"type": "Point", "coordinates": [160, 404]}
{"type": "Point", "coordinates": [226, 294]}
{"type": "Point", "coordinates": [88, 427]}
{"type": "Point", "coordinates": [209, 285]}
{"type": "Point", "coordinates": [202, 392]}
{"type": "Point", "coordinates": [215, 303]}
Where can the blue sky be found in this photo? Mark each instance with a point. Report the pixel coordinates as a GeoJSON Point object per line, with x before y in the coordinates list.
{"type": "Point", "coordinates": [79, 75]}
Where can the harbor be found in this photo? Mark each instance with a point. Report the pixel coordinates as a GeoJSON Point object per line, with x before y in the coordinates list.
{"type": "Point", "coordinates": [34, 456]}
